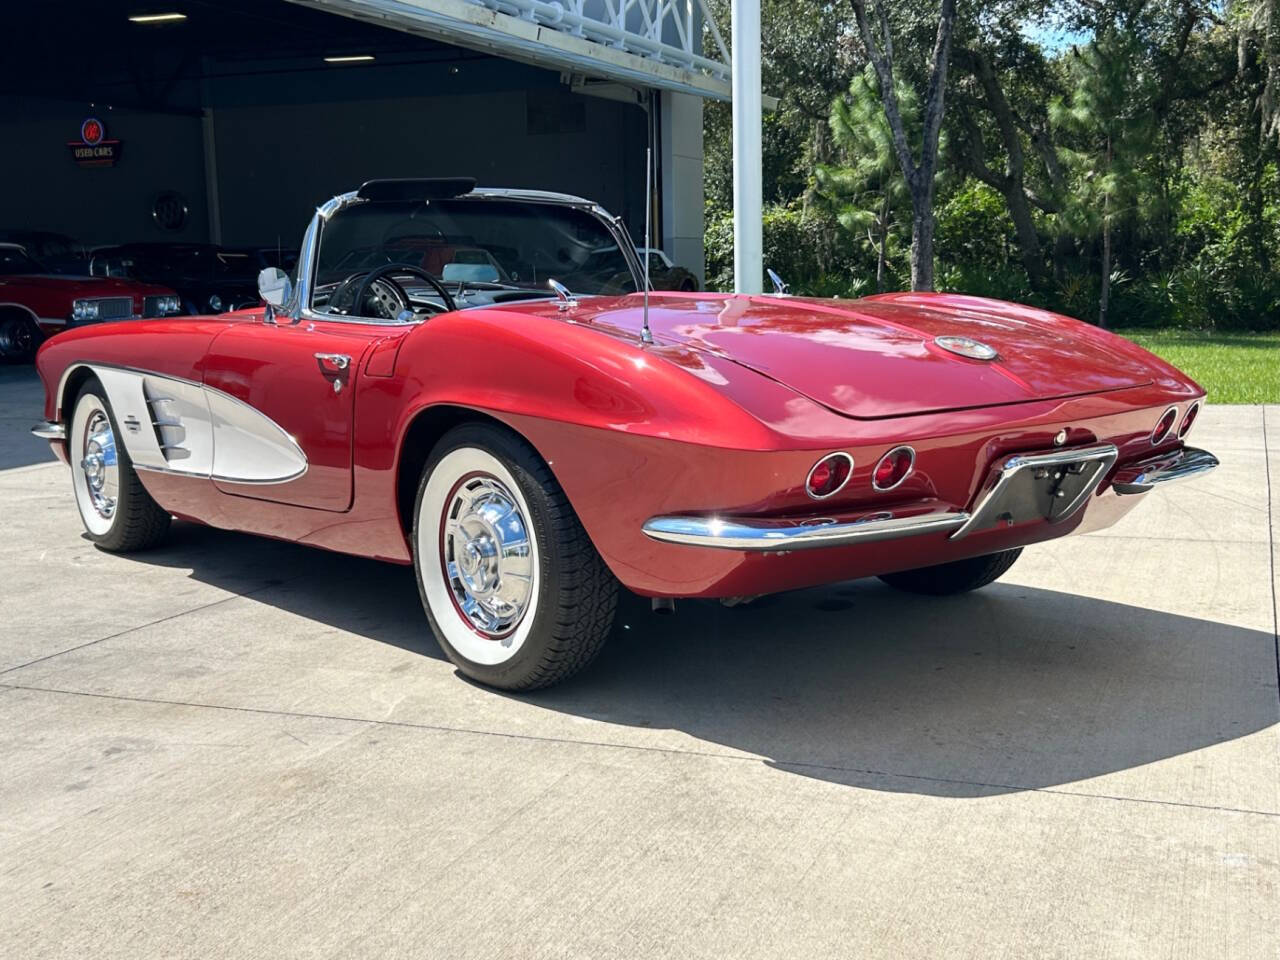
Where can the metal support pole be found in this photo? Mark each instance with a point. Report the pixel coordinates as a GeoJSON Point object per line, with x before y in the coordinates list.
{"type": "Point", "coordinates": [748, 179]}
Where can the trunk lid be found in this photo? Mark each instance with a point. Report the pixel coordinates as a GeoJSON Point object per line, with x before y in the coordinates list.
{"type": "Point", "coordinates": [876, 357]}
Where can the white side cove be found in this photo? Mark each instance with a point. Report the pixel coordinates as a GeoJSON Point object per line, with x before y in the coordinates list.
{"type": "Point", "coordinates": [178, 426]}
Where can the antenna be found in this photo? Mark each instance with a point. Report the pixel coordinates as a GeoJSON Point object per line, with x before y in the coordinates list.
{"type": "Point", "coordinates": [646, 335]}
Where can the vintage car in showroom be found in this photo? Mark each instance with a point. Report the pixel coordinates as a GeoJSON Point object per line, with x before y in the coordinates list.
{"type": "Point", "coordinates": [537, 434]}
{"type": "Point", "coordinates": [208, 278]}
{"type": "Point", "coordinates": [35, 303]}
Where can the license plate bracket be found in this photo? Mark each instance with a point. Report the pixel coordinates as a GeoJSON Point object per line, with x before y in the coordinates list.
{"type": "Point", "coordinates": [1051, 486]}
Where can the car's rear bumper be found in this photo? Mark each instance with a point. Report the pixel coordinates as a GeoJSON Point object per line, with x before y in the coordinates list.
{"type": "Point", "coordinates": [1055, 487]}
{"type": "Point", "coordinates": [1167, 468]}
{"type": "Point", "coordinates": [786, 535]}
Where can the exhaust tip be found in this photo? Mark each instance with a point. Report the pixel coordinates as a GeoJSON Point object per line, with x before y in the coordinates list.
{"type": "Point", "coordinates": [664, 606]}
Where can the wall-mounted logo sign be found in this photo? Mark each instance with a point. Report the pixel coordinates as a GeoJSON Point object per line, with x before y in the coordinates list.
{"type": "Point", "coordinates": [169, 211]}
{"type": "Point", "coordinates": [93, 149]}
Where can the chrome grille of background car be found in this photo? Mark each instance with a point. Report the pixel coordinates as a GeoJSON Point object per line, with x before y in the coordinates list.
{"type": "Point", "coordinates": [151, 306]}
{"type": "Point", "coordinates": [115, 308]}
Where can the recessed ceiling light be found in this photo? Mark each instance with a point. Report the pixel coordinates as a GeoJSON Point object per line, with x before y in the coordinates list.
{"type": "Point", "coordinates": [157, 17]}
{"type": "Point", "coordinates": [353, 58]}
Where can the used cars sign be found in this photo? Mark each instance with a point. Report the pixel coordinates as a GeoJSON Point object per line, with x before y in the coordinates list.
{"type": "Point", "coordinates": [93, 149]}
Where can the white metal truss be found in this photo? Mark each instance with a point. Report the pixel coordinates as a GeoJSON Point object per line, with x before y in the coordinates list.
{"type": "Point", "coordinates": [663, 30]}
{"type": "Point", "coordinates": [651, 42]}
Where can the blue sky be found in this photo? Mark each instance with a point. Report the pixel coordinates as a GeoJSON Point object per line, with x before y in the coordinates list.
{"type": "Point", "coordinates": [1054, 37]}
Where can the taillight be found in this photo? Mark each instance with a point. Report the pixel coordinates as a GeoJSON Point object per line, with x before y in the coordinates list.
{"type": "Point", "coordinates": [829, 475]}
{"type": "Point", "coordinates": [894, 467]}
{"type": "Point", "coordinates": [1164, 426]}
{"type": "Point", "coordinates": [1189, 418]}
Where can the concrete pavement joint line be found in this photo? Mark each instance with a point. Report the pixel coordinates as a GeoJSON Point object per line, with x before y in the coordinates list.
{"type": "Point", "coordinates": [143, 626]}
{"type": "Point", "coordinates": [1271, 534]}
{"type": "Point", "coordinates": [667, 751]}
{"type": "Point", "coordinates": [1126, 536]}
{"type": "Point", "coordinates": [30, 468]}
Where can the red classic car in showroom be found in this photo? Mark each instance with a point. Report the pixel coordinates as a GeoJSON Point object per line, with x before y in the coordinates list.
{"type": "Point", "coordinates": [35, 303]}
{"type": "Point", "coordinates": [525, 432]}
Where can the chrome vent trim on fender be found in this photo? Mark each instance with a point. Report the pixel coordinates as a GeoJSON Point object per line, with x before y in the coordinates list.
{"type": "Point", "coordinates": [166, 420]}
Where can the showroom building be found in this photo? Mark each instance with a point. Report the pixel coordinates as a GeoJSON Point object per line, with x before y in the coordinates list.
{"type": "Point", "coordinates": [230, 120]}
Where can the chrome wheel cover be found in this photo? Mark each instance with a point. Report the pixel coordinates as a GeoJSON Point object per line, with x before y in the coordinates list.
{"type": "Point", "coordinates": [486, 554]}
{"type": "Point", "coordinates": [99, 465]}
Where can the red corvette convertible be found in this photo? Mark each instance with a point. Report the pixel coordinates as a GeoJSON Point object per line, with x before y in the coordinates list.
{"type": "Point", "coordinates": [469, 381]}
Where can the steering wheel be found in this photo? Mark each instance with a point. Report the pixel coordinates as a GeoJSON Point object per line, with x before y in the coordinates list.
{"type": "Point", "coordinates": [385, 277]}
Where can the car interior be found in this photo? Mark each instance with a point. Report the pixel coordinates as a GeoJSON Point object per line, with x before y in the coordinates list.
{"type": "Point", "coordinates": [409, 260]}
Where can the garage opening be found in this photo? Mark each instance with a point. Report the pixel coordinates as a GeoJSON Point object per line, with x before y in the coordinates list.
{"type": "Point", "coordinates": [230, 121]}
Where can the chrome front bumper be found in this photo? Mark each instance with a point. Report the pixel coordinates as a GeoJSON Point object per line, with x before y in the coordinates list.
{"type": "Point", "coordinates": [47, 430]}
{"type": "Point", "coordinates": [1052, 486]}
{"type": "Point", "coordinates": [1180, 465]}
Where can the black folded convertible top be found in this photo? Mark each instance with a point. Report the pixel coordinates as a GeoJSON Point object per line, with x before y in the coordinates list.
{"type": "Point", "coordinates": [425, 188]}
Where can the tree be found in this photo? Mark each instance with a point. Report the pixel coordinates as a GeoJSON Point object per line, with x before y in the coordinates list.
{"type": "Point", "coordinates": [1110, 122]}
{"type": "Point", "coordinates": [920, 175]}
{"type": "Point", "coordinates": [867, 190]}
{"type": "Point", "coordinates": [1258, 34]}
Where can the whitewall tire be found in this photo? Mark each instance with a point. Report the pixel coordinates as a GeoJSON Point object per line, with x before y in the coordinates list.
{"type": "Point", "coordinates": [117, 512]}
{"type": "Point", "coordinates": [514, 590]}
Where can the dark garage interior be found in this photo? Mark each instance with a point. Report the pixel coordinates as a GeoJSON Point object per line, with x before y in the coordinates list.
{"type": "Point", "coordinates": [232, 125]}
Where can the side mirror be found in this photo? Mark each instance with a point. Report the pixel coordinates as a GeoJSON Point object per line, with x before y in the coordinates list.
{"type": "Point", "coordinates": [274, 286]}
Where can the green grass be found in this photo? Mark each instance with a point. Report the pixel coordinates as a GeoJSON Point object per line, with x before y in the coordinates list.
{"type": "Point", "coordinates": [1232, 367]}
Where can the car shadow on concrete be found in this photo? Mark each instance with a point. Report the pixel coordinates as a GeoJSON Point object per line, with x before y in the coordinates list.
{"type": "Point", "coordinates": [1007, 689]}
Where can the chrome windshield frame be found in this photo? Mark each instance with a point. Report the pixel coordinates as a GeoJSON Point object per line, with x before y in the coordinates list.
{"type": "Point", "coordinates": [298, 307]}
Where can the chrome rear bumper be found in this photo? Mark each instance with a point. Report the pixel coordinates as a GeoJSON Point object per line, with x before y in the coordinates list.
{"type": "Point", "coordinates": [46, 430]}
{"type": "Point", "coordinates": [1180, 465]}
{"type": "Point", "coordinates": [784, 535]}
{"type": "Point", "coordinates": [1051, 487]}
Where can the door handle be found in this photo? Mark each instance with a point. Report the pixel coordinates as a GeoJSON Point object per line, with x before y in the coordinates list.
{"type": "Point", "coordinates": [333, 362]}
{"type": "Point", "coordinates": [334, 366]}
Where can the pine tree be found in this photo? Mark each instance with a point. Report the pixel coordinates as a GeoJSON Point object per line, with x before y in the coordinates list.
{"type": "Point", "coordinates": [867, 191]}
{"type": "Point", "coordinates": [1111, 128]}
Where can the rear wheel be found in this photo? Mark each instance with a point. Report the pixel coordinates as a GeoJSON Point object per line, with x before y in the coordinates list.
{"type": "Point", "coordinates": [512, 585]}
{"type": "Point", "coordinates": [118, 513]}
{"type": "Point", "coordinates": [960, 576]}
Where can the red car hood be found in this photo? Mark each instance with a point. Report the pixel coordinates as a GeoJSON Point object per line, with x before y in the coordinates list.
{"type": "Point", "coordinates": [876, 357]}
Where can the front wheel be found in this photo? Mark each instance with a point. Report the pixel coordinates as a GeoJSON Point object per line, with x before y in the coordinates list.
{"type": "Point", "coordinates": [118, 513]}
{"type": "Point", "coordinates": [960, 576]}
{"type": "Point", "coordinates": [513, 587]}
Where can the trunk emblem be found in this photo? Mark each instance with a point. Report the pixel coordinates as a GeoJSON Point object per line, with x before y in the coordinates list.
{"type": "Point", "coordinates": [967, 347]}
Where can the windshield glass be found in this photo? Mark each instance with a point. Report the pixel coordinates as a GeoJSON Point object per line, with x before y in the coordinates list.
{"type": "Point", "coordinates": [476, 242]}
{"type": "Point", "coordinates": [14, 260]}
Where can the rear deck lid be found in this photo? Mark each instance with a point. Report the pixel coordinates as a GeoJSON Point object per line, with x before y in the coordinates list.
{"type": "Point", "coordinates": [878, 357]}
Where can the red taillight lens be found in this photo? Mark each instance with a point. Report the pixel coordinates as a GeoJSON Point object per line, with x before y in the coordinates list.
{"type": "Point", "coordinates": [894, 467]}
{"type": "Point", "coordinates": [1189, 419]}
{"type": "Point", "coordinates": [828, 475]}
{"type": "Point", "coordinates": [1164, 426]}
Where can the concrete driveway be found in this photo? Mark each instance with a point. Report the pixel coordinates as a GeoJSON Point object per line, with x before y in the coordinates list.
{"type": "Point", "coordinates": [232, 747]}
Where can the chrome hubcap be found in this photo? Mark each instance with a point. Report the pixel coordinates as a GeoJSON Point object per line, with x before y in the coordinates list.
{"type": "Point", "coordinates": [101, 469]}
{"type": "Point", "coordinates": [485, 548]}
